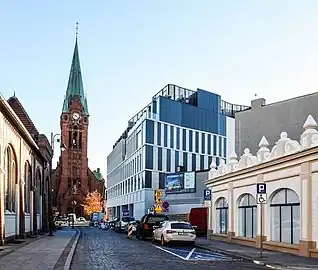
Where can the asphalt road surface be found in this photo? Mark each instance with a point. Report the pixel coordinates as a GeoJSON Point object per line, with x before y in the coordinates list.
{"type": "Point", "coordinates": [108, 250]}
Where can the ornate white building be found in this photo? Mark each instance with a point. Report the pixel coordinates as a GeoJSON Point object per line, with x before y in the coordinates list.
{"type": "Point", "coordinates": [24, 177]}
{"type": "Point", "coordinates": [290, 216]}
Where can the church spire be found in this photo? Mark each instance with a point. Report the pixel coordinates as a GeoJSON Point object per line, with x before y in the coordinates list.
{"type": "Point", "coordinates": [75, 83]}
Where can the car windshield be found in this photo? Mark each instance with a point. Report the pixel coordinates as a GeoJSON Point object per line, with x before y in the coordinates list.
{"type": "Point", "coordinates": [127, 219]}
{"type": "Point", "coordinates": [156, 219]}
{"type": "Point", "coordinates": [181, 225]}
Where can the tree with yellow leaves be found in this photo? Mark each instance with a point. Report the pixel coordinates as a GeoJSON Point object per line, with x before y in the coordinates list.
{"type": "Point", "coordinates": [93, 203]}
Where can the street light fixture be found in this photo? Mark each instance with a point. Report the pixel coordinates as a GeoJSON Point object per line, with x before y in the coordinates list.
{"type": "Point", "coordinates": [50, 206]}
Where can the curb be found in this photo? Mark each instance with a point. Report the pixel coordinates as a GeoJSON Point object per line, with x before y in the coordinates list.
{"type": "Point", "coordinates": [68, 261]}
{"type": "Point", "coordinates": [247, 258]}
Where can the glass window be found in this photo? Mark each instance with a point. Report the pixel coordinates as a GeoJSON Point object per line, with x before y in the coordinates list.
{"type": "Point", "coordinates": [285, 217]}
{"type": "Point", "coordinates": [181, 225]}
{"type": "Point", "coordinates": [178, 138]}
{"type": "Point", "coordinates": [148, 179]}
{"type": "Point", "coordinates": [197, 142]}
{"type": "Point", "coordinates": [209, 145]}
{"type": "Point", "coordinates": [165, 135]}
{"type": "Point", "coordinates": [168, 160]}
{"type": "Point", "coordinates": [176, 159]}
{"type": "Point", "coordinates": [161, 180]}
{"type": "Point", "coordinates": [159, 133]}
{"type": "Point", "coordinates": [214, 145]}
{"type": "Point", "coordinates": [172, 136]}
{"type": "Point", "coordinates": [159, 159]}
{"type": "Point", "coordinates": [149, 157]}
{"type": "Point", "coordinates": [194, 162]}
{"type": "Point", "coordinates": [185, 161]}
{"type": "Point", "coordinates": [149, 131]}
{"type": "Point", "coordinates": [38, 192]}
{"type": "Point", "coordinates": [184, 140]}
{"type": "Point", "coordinates": [203, 143]}
{"type": "Point", "coordinates": [202, 162]}
{"type": "Point", "coordinates": [190, 140]}
{"type": "Point", "coordinates": [27, 182]}
{"type": "Point", "coordinates": [10, 180]}
{"type": "Point", "coordinates": [247, 214]}
{"type": "Point", "coordinates": [221, 215]}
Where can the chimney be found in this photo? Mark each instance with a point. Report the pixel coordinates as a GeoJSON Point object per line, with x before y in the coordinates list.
{"type": "Point", "coordinates": [258, 103]}
{"type": "Point", "coordinates": [98, 170]}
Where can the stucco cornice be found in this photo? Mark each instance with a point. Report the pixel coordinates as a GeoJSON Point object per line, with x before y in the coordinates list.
{"type": "Point", "coordinates": [265, 165]}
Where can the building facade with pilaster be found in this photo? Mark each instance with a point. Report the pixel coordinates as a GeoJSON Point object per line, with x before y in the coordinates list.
{"type": "Point", "coordinates": [25, 174]}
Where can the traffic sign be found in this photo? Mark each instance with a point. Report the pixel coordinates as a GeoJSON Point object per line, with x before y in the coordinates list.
{"type": "Point", "coordinates": [261, 198]}
{"type": "Point", "coordinates": [158, 209]}
{"type": "Point", "coordinates": [207, 195]}
{"type": "Point", "coordinates": [261, 188]}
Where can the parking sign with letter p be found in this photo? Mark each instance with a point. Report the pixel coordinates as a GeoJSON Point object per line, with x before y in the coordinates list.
{"type": "Point", "coordinates": [207, 195]}
{"type": "Point", "coordinates": [261, 188]}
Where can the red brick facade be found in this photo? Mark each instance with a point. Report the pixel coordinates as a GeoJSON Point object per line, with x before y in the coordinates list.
{"type": "Point", "coordinates": [72, 179]}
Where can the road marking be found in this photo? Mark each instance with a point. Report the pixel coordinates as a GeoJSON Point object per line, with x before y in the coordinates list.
{"type": "Point", "coordinates": [190, 254]}
{"type": "Point", "coordinates": [170, 252]}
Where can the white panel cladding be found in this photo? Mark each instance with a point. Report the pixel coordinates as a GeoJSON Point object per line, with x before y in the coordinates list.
{"type": "Point", "coordinates": [189, 162]}
{"type": "Point", "coordinates": [173, 160]}
{"type": "Point", "coordinates": [175, 137]}
{"type": "Point", "coordinates": [181, 163]}
{"type": "Point", "coordinates": [162, 133]}
{"type": "Point", "coordinates": [168, 135]}
{"type": "Point", "coordinates": [155, 180]}
{"type": "Point", "coordinates": [187, 140]}
{"type": "Point", "coordinates": [200, 142]}
{"type": "Point", "coordinates": [155, 158]}
{"type": "Point", "coordinates": [206, 144]}
{"type": "Point", "coordinates": [217, 145]}
{"type": "Point", "coordinates": [197, 162]}
{"type": "Point", "coordinates": [155, 133]}
{"type": "Point", "coordinates": [181, 138]}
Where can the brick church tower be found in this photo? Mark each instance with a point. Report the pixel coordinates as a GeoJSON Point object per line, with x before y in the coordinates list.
{"type": "Point", "coordinates": [72, 178]}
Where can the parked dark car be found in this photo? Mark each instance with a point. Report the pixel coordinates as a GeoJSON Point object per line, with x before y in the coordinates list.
{"type": "Point", "coordinates": [145, 227]}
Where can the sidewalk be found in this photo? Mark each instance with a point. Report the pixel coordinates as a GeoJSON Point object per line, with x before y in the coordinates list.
{"type": "Point", "coordinates": [272, 259]}
{"type": "Point", "coordinates": [47, 252]}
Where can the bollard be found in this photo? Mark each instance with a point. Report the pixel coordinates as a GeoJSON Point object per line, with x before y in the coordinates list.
{"type": "Point", "coordinates": [130, 227]}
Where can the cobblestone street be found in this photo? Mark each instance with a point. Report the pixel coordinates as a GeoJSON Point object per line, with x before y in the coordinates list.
{"type": "Point", "coordinates": [99, 249]}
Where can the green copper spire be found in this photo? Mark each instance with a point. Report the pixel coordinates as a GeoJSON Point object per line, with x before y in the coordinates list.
{"type": "Point", "coordinates": [75, 84]}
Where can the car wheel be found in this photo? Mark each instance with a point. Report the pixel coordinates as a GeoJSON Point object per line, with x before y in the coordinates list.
{"type": "Point", "coordinates": [163, 242]}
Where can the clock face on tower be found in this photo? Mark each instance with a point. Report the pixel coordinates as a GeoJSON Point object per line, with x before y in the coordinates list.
{"type": "Point", "coordinates": [76, 116]}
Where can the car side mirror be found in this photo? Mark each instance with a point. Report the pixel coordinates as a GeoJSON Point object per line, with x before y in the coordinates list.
{"type": "Point", "coordinates": [155, 227]}
{"type": "Point", "coordinates": [194, 227]}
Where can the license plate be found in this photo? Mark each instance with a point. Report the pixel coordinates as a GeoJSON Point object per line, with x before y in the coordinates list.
{"type": "Point", "coordinates": [182, 233]}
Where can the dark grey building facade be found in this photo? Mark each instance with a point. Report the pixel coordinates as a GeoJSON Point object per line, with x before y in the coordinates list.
{"type": "Point", "coordinates": [270, 120]}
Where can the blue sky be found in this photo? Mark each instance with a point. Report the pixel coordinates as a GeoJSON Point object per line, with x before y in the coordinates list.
{"type": "Point", "coordinates": [129, 50]}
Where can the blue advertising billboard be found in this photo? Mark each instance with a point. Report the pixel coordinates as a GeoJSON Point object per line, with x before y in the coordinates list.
{"type": "Point", "coordinates": [181, 182]}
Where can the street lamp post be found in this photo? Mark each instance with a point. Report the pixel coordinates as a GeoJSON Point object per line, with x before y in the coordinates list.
{"type": "Point", "coordinates": [74, 203]}
{"type": "Point", "coordinates": [50, 206]}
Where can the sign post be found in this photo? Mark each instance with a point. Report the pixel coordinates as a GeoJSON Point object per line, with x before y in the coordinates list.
{"type": "Point", "coordinates": [261, 198]}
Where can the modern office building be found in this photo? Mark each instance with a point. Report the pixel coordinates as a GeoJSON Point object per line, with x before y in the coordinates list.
{"type": "Point", "coordinates": [179, 127]}
{"type": "Point", "coordinates": [268, 120]}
